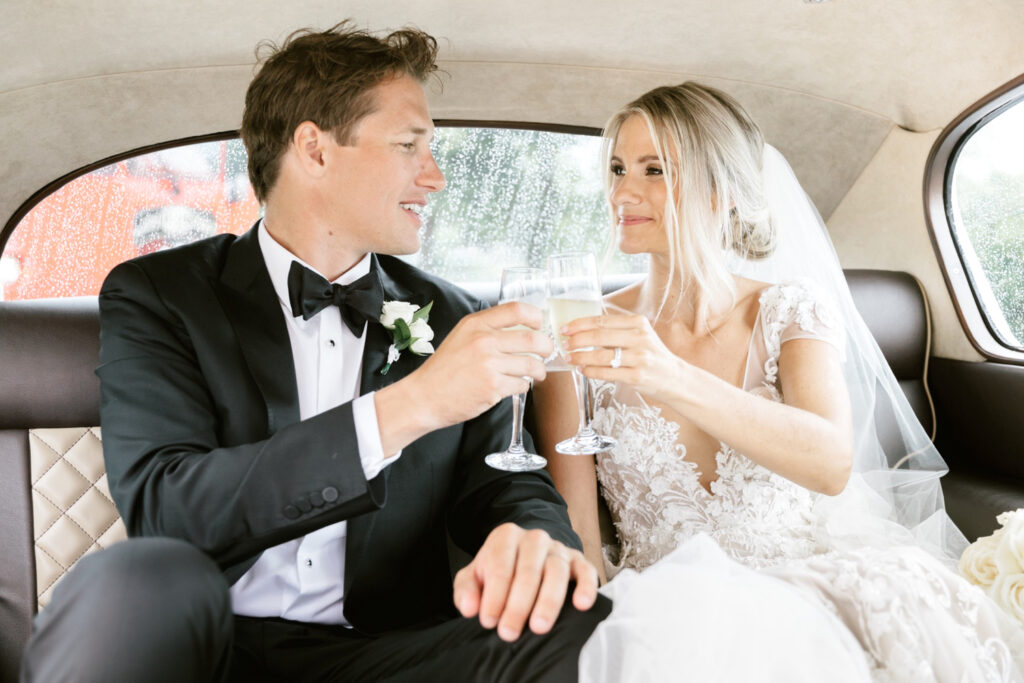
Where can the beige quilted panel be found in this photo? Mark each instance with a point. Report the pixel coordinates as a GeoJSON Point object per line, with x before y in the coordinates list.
{"type": "Point", "coordinates": [71, 506]}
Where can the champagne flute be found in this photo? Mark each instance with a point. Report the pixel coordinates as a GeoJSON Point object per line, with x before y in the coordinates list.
{"type": "Point", "coordinates": [529, 285]}
{"type": "Point", "coordinates": [576, 293]}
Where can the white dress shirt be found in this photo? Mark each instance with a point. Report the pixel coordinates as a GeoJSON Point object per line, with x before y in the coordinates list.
{"type": "Point", "coordinates": [303, 579]}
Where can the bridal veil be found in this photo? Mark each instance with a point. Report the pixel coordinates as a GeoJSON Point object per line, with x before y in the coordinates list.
{"type": "Point", "coordinates": [894, 496]}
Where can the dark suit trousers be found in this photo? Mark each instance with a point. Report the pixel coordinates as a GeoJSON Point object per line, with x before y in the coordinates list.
{"type": "Point", "coordinates": [159, 610]}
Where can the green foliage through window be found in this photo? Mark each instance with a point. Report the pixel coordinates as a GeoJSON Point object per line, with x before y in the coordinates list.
{"type": "Point", "coordinates": [513, 198]}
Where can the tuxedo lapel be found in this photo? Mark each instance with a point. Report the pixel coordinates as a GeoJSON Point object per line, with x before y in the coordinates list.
{"type": "Point", "coordinates": [250, 303]}
{"type": "Point", "coordinates": [378, 339]}
{"type": "Point", "coordinates": [375, 354]}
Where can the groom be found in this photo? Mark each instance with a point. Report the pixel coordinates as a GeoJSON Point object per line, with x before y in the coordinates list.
{"type": "Point", "coordinates": [253, 441]}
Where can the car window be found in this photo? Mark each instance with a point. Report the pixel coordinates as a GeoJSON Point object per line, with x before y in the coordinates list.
{"type": "Point", "coordinates": [985, 206]}
{"type": "Point", "coordinates": [68, 242]}
{"type": "Point", "coordinates": [512, 198]}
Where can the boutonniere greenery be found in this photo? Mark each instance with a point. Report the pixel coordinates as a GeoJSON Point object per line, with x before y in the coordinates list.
{"type": "Point", "coordinates": [409, 330]}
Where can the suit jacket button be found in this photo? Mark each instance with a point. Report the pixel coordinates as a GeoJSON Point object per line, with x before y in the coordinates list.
{"type": "Point", "coordinates": [304, 505]}
{"type": "Point", "coordinates": [330, 494]}
{"type": "Point", "coordinates": [291, 512]}
{"type": "Point", "coordinates": [316, 499]}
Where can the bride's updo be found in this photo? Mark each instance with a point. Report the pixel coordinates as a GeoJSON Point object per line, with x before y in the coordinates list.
{"type": "Point", "coordinates": [711, 154]}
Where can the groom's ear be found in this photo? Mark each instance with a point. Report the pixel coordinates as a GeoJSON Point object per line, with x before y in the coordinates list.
{"type": "Point", "coordinates": [308, 142]}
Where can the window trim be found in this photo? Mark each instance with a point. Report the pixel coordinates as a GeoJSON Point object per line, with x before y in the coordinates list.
{"type": "Point", "coordinates": [519, 125]}
{"type": "Point", "coordinates": [54, 185]}
{"type": "Point", "coordinates": [938, 180]}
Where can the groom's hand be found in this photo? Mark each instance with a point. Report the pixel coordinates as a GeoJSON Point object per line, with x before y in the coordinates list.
{"type": "Point", "coordinates": [480, 362]}
{"type": "Point", "coordinates": [519, 575]}
{"type": "Point", "coordinates": [483, 360]}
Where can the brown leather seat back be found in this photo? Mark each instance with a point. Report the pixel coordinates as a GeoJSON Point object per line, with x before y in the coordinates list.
{"type": "Point", "coordinates": [896, 312]}
{"type": "Point", "coordinates": [48, 352]}
{"type": "Point", "coordinates": [895, 309]}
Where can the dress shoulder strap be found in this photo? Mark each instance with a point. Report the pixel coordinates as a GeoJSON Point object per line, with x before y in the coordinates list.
{"type": "Point", "coordinates": [798, 310]}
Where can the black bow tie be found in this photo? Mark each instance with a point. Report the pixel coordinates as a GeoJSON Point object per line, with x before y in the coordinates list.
{"type": "Point", "coordinates": [359, 301]}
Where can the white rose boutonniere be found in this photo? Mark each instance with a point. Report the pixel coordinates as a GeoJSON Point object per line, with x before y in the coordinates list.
{"type": "Point", "coordinates": [397, 310]}
{"type": "Point", "coordinates": [409, 330]}
{"type": "Point", "coordinates": [422, 335]}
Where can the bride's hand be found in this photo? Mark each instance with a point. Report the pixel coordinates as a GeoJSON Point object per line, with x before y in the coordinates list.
{"type": "Point", "coordinates": [642, 359]}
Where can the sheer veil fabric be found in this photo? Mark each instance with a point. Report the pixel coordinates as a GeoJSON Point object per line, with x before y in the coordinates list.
{"type": "Point", "coordinates": [896, 467]}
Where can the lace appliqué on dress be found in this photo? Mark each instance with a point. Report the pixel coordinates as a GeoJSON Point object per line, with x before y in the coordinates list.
{"type": "Point", "coordinates": [655, 495]}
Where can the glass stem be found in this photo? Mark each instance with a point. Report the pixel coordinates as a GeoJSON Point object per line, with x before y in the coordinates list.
{"type": "Point", "coordinates": [584, 402]}
{"type": "Point", "coordinates": [516, 446]}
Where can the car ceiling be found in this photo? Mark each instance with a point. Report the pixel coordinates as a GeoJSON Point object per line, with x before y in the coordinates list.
{"type": "Point", "coordinates": [83, 81]}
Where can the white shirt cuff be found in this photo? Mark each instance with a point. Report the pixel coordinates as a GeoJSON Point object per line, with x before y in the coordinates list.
{"type": "Point", "coordinates": [371, 452]}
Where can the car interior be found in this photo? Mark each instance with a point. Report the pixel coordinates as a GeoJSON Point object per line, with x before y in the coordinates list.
{"type": "Point", "coordinates": [875, 105]}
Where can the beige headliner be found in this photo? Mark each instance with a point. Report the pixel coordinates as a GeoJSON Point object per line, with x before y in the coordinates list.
{"type": "Point", "coordinates": [829, 82]}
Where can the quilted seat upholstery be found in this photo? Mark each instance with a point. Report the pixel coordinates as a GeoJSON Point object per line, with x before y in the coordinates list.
{"type": "Point", "coordinates": [72, 512]}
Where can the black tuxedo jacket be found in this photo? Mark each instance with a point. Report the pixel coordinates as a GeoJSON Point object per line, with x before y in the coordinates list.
{"type": "Point", "coordinates": [203, 442]}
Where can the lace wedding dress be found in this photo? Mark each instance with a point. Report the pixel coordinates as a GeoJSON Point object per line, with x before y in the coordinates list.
{"type": "Point", "coordinates": [760, 579]}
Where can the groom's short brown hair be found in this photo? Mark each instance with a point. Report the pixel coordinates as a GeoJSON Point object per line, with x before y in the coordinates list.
{"type": "Point", "coordinates": [324, 77]}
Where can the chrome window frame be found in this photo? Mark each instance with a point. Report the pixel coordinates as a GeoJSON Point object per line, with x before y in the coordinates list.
{"type": "Point", "coordinates": [938, 180]}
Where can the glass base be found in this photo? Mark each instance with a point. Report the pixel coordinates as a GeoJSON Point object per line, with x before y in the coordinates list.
{"type": "Point", "coordinates": [516, 462]}
{"type": "Point", "coordinates": [586, 444]}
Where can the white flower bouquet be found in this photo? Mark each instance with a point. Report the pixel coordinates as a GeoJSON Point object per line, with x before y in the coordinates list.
{"type": "Point", "coordinates": [996, 563]}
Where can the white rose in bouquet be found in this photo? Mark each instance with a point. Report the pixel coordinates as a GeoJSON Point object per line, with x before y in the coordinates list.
{"type": "Point", "coordinates": [1008, 591]}
{"type": "Point", "coordinates": [395, 310]}
{"type": "Point", "coordinates": [996, 563]}
{"type": "Point", "coordinates": [1009, 554]}
{"type": "Point", "coordinates": [978, 564]}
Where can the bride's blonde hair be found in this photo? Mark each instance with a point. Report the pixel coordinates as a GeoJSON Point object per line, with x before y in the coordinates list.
{"type": "Point", "coordinates": [711, 155]}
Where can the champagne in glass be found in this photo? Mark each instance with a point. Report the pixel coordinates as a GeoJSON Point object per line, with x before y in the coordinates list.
{"type": "Point", "coordinates": [564, 310]}
{"type": "Point", "coordinates": [528, 285]}
{"type": "Point", "coordinates": [576, 293]}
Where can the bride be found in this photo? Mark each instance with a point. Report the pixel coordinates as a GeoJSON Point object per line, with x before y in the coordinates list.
{"type": "Point", "coordinates": [767, 528]}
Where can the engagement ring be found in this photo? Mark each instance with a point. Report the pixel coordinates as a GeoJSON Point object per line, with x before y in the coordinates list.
{"type": "Point", "coordinates": [617, 358]}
